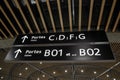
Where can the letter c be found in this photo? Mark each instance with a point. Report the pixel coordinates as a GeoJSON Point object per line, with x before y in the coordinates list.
{"type": "Point", "coordinates": [51, 37]}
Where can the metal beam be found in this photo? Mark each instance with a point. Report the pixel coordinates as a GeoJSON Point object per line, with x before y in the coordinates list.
{"type": "Point", "coordinates": [108, 70]}
{"type": "Point", "coordinates": [116, 22]}
{"type": "Point", "coordinates": [73, 72]}
{"type": "Point", "coordinates": [112, 37]}
{"type": "Point", "coordinates": [51, 15]}
{"type": "Point", "coordinates": [14, 16]}
{"type": "Point", "coordinates": [70, 14]}
{"type": "Point", "coordinates": [73, 12]}
{"type": "Point", "coordinates": [8, 19]}
{"type": "Point", "coordinates": [101, 13]}
{"type": "Point", "coordinates": [80, 15]}
{"type": "Point", "coordinates": [34, 67]}
{"type": "Point", "coordinates": [110, 15]}
{"type": "Point", "coordinates": [60, 15]}
{"type": "Point", "coordinates": [3, 34]}
{"type": "Point", "coordinates": [6, 28]}
{"type": "Point", "coordinates": [90, 14]}
{"type": "Point", "coordinates": [32, 15]}
{"type": "Point", "coordinates": [41, 16]}
{"type": "Point", "coordinates": [21, 12]}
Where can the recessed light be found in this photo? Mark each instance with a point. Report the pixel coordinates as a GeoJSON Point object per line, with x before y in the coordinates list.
{"type": "Point", "coordinates": [54, 72]}
{"type": "Point", "coordinates": [66, 71]}
{"type": "Point", "coordinates": [20, 74]}
{"type": "Point", "coordinates": [41, 63]}
{"type": "Point", "coordinates": [1, 77]}
{"type": "Point", "coordinates": [82, 70]}
{"type": "Point", "coordinates": [26, 68]}
{"type": "Point", "coordinates": [107, 75]}
{"type": "Point", "coordinates": [114, 78]}
{"type": "Point", "coordinates": [38, 78]}
{"type": "Point", "coordinates": [32, 1]}
{"type": "Point", "coordinates": [95, 72]}
{"type": "Point", "coordinates": [0, 68]}
{"type": "Point", "coordinates": [43, 75]}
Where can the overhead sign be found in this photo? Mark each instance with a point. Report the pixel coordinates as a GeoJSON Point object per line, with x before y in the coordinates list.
{"type": "Point", "coordinates": [75, 46]}
{"type": "Point", "coordinates": [58, 38]}
{"type": "Point", "coordinates": [61, 53]}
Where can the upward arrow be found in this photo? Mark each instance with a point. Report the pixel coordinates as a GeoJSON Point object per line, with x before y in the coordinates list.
{"type": "Point", "coordinates": [23, 38]}
{"type": "Point", "coordinates": [17, 52]}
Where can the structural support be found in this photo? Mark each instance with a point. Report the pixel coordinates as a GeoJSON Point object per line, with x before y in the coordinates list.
{"type": "Point", "coordinates": [33, 18]}
{"type": "Point", "coordinates": [90, 14]}
{"type": "Point", "coordinates": [34, 67]}
{"type": "Point", "coordinates": [73, 70]}
{"type": "Point", "coordinates": [70, 14]}
{"type": "Point", "coordinates": [51, 16]}
{"type": "Point", "coordinates": [14, 16]}
{"type": "Point", "coordinates": [80, 15]}
{"type": "Point", "coordinates": [101, 13]}
{"type": "Point", "coordinates": [11, 24]}
{"type": "Point", "coordinates": [21, 12]}
{"type": "Point", "coordinates": [116, 22]}
{"type": "Point", "coordinates": [118, 63]}
{"type": "Point", "coordinates": [41, 16]}
{"type": "Point", "coordinates": [73, 12]}
{"type": "Point", "coordinates": [110, 15]}
{"type": "Point", "coordinates": [3, 34]}
{"type": "Point", "coordinates": [60, 15]}
{"type": "Point", "coordinates": [6, 28]}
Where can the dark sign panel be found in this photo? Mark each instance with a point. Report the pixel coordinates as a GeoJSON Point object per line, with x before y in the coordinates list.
{"type": "Point", "coordinates": [66, 37]}
{"type": "Point", "coordinates": [68, 46]}
{"type": "Point", "coordinates": [61, 53]}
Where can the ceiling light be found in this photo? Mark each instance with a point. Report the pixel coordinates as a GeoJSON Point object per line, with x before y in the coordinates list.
{"type": "Point", "coordinates": [95, 72]}
{"type": "Point", "coordinates": [1, 77]}
{"type": "Point", "coordinates": [107, 75]}
{"type": "Point", "coordinates": [114, 78]}
{"type": "Point", "coordinates": [32, 1]}
{"type": "Point", "coordinates": [41, 63]}
{"type": "Point", "coordinates": [38, 78]}
{"type": "Point", "coordinates": [0, 68]}
{"type": "Point", "coordinates": [43, 75]}
{"type": "Point", "coordinates": [54, 72]}
{"type": "Point", "coordinates": [20, 74]}
{"type": "Point", "coordinates": [66, 71]}
{"type": "Point", "coordinates": [82, 70]}
{"type": "Point", "coordinates": [26, 68]}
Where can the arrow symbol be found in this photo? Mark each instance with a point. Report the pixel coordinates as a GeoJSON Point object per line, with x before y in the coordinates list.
{"type": "Point", "coordinates": [23, 38]}
{"type": "Point", "coordinates": [17, 52]}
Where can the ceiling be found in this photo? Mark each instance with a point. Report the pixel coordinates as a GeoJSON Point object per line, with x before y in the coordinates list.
{"type": "Point", "coordinates": [46, 16]}
{"type": "Point", "coordinates": [39, 16]}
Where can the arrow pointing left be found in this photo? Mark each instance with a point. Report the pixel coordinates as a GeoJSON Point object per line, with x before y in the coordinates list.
{"type": "Point", "coordinates": [17, 52]}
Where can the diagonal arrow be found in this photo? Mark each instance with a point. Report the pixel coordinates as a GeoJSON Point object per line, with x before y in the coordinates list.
{"type": "Point", "coordinates": [17, 52]}
{"type": "Point", "coordinates": [23, 38]}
